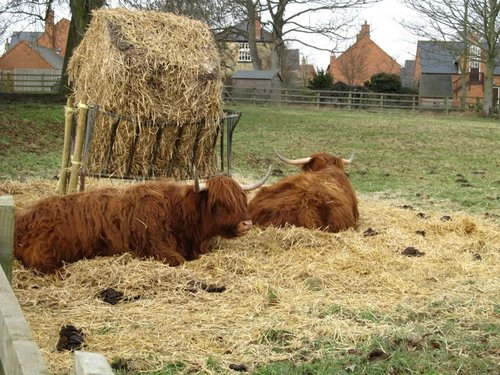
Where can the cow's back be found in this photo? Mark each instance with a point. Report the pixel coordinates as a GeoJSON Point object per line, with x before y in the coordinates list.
{"type": "Point", "coordinates": [320, 200]}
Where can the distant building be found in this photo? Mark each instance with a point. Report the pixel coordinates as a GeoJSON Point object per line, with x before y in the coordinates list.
{"type": "Point", "coordinates": [437, 72]}
{"type": "Point", "coordinates": [236, 53]}
{"type": "Point", "coordinates": [361, 61]}
{"type": "Point", "coordinates": [34, 53]}
{"type": "Point", "coordinates": [407, 74]}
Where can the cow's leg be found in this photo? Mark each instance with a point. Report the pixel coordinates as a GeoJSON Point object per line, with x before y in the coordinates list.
{"type": "Point", "coordinates": [167, 254]}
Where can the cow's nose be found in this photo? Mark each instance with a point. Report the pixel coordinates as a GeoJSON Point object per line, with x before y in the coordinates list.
{"type": "Point", "coordinates": [247, 224]}
{"type": "Point", "coordinates": [244, 226]}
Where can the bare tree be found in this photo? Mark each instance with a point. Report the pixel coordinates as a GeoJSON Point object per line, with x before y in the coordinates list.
{"type": "Point", "coordinates": [23, 14]}
{"type": "Point", "coordinates": [33, 11]}
{"type": "Point", "coordinates": [217, 14]}
{"type": "Point", "coordinates": [81, 14]}
{"type": "Point", "coordinates": [468, 22]}
{"type": "Point", "coordinates": [287, 22]}
{"type": "Point", "coordinates": [484, 21]}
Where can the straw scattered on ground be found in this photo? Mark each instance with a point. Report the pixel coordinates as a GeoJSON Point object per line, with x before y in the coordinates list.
{"type": "Point", "coordinates": [285, 290]}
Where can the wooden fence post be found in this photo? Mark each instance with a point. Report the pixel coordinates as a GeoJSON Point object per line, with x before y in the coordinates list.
{"type": "Point", "coordinates": [63, 176]}
{"type": "Point", "coordinates": [76, 164]}
{"type": "Point", "coordinates": [6, 234]}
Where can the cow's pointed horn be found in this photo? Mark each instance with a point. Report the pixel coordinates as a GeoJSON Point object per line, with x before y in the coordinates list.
{"type": "Point", "coordinates": [349, 161]}
{"type": "Point", "coordinates": [293, 161]}
{"type": "Point", "coordinates": [259, 183]}
{"type": "Point", "coordinates": [197, 187]}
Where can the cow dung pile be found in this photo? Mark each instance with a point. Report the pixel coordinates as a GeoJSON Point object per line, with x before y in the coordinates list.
{"type": "Point", "coordinates": [154, 78]}
{"type": "Point", "coordinates": [281, 294]}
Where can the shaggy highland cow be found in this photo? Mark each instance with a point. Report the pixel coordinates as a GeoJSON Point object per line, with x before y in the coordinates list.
{"type": "Point", "coordinates": [163, 220]}
{"type": "Point", "coordinates": [321, 197]}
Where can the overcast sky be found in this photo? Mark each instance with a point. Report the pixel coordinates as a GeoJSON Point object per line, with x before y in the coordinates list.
{"type": "Point", "coordinates": [385, 31]}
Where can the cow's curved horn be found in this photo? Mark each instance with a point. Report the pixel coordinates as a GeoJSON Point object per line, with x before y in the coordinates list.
{"type": "Point", "coordinates": [349, 161]}
{"type": "Point", "coordinates": [259, 183]}
{"type": "Point", "coordinates": [293, 161]}
{"type": "Point", "coordinates": [197, 187]}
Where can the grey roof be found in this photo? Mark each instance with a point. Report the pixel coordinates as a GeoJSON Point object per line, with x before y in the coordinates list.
{"type": "Point", "coordinates": [239, 32]}
{"type": "Point", "coordinates": [435, 85]}
{"type": "Point", "coordinates": [29, 36]}
{"type": "Point", "coordinates": [442, 57]}
{"type": "Point", "coordinates": [49, 55]}
{"type": "Point", "coordinates": [439, 57]}
{"type": "Point", "coordinates": [255, 74]}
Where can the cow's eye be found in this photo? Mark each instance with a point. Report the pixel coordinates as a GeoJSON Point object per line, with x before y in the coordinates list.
{"type": "Point", "coordinates": [217, 209]}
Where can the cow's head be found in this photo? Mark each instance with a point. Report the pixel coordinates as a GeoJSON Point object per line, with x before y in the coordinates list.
{"type": "Point", "coordinates": [317, 161]}
{"type": "Point", "coordinates": [226, 204]}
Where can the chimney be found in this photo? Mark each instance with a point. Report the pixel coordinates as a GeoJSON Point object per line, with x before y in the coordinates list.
{"type": "Point", "coordinates": [258, 29]}
{"type": "Point", "coordinates": [365, 31]}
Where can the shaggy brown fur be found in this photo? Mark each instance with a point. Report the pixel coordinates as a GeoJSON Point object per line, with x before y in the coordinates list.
{"type": "Point", "coordinates": [320, 197]}
{"type": "Point", "coordinates": [163, 220]}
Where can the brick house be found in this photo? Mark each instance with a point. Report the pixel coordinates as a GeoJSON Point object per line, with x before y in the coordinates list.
{"type": "Point", "coordinates": [236, 55]}
{"type": "Point", "coordinates": [34, 53]}
{"type": "Point", "coordinates": [361, 61]}
{"type": "Point", "coordinates": [437, 73]}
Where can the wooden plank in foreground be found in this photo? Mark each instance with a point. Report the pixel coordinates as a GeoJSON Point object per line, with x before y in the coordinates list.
{"type": "Point", "coordinates": [91, 364]}
{"type": "Point", "coordinates": [19, 353]}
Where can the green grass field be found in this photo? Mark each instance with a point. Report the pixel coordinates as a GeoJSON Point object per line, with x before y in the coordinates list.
{"type": "Point", "coordinates": [447, 163]}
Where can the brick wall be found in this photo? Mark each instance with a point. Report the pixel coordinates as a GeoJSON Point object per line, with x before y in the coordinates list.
{"type": "Point", "coordinates": [22, 56]}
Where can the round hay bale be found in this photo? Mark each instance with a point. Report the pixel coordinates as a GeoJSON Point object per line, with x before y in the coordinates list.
{"type": "Point", "coordinates": [159, 75]}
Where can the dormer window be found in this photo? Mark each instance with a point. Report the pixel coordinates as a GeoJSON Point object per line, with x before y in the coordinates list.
{"type": "Point", "coordinates": [244, 52]}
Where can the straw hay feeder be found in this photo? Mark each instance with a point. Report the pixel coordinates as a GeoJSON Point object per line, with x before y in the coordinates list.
{"type": "Point", "coordinates": [148, 90]}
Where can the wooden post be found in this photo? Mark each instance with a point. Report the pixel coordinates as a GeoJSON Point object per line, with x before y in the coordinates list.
{"type": "Point", "coordinates": [446, 105]}
{"type": "Point", "coordinates": [19, 354]}
{"type": "Point", "coordinates": [76, 164]}
{"type": "Point", "coordinates": [63, 176]}
{"type": "Point", "coordinates": [6, 234]}
{"type": "Point", "coordinates": [86, 363]}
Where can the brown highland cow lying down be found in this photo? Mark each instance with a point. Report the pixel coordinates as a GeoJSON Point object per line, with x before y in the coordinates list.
{"type": "Point", "coordinates": [321, 197]}
{"type": "Point", "coordinates": [167, 221]}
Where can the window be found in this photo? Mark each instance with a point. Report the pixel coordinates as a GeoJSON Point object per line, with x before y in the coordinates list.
{"type": "Point", "coordinates": [475, 57]}
{"type": "Point", "coordinates": [244, 52]}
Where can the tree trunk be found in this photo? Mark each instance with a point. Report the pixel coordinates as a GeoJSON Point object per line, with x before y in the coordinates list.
{"type": "Point", "coordinates": [80, 18]}
{"type": "Point", "coordinates": [252, 34]}
{"type": "Point", "coordinates": [488, 87]}
{"type": "Point", "coordinates": [278, 49]}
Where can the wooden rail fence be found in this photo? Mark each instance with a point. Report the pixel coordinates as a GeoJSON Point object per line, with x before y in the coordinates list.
{"type": "Point", "coordinates": [19, 353]}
